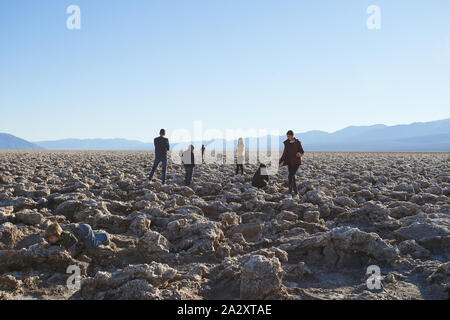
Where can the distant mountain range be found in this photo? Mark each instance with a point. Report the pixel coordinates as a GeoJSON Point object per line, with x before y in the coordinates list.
{"type": "Point", "coordinates": [10, 142]}
{"type": "Point", "coordinates": [420, 136]}
{"type": "Point", "coordinates": [415, 137]}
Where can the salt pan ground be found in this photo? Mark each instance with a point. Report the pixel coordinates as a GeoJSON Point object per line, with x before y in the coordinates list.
{"type": "Point", "coordinates": [222, 238]}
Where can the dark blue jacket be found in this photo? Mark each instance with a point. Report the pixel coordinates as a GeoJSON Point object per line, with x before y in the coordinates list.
{"type": "Point", "coordinates": [161, 147]}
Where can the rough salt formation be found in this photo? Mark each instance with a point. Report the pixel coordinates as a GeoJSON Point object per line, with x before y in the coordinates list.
{"type": "Point", "coordinates": [221, 238]}
{"type": "Point", "coordinates": [133, 282]}
{"type": "Point", "coordinates": [260, 276]}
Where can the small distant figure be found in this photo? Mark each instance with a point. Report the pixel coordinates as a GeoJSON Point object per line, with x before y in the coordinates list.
{"type": "Point", "coordinates": [82, 234]}
{"type": "Point", "coordinates": [203, 153]}
{"type": "Point", "coordinates": [189, 164]}
{"type": "Point", "coordinates": [261, 177]}
{"type": "Point", "coordinates": [240, 156]}
{"type": "Point", "coordinates": [161, 148]}
{"type": "Point", "coordinates": [292, 157]}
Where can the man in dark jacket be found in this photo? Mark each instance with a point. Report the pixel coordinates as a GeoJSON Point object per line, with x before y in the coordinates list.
{"type": "Point", "coordinates": [189, 164]}
{"type": "Point", "coordinates": [292, 157]}
{"type": "Point", "coordinates": [161, 148]}
{"type": "Point", "coordinates": [261, 178]}
{"type": "Point", "coordinates": [203, 153]}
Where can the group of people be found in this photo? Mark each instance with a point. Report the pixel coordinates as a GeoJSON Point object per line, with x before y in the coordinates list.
{"type": "Point", "coordinates": [162, 147]}
{"type": "Point", "coordinates": [83, 236]}
{"type": "Point", "coordinates": [291, 157]}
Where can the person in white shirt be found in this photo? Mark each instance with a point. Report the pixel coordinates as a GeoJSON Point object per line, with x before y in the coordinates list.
{"type": "Point", "coordinates": [189, 164]}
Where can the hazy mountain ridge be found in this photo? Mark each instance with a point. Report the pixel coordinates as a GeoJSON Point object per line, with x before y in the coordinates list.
{"type": "Point", "coordinates": [425, 136]}
{"type": "Point", "coordinates": [418, 136]}
{"type": "Point", "coordinates": [10, 142]}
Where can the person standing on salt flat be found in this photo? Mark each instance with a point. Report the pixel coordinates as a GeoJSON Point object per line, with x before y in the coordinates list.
{"type": "Point", "coordinates": [203, 153]}
{"type": "Point", "coordinates": [189, 164]}
{"type": "Point", "coordinates": [292, 157]}
{"type": "Point", "coordinates": [240, 154]}
{"type": "Point", "coordinates": [161, 148]}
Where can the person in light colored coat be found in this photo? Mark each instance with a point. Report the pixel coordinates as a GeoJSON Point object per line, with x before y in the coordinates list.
{"type": "Point", "coordinates": [240, 156]}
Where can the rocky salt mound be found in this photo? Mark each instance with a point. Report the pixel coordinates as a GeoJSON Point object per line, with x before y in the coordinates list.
{"type": "Point", "coordinates": [222, 238]}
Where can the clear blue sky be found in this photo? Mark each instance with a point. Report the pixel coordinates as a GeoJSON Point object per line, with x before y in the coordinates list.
{"type": "Point", "coordinates": [136, 66]}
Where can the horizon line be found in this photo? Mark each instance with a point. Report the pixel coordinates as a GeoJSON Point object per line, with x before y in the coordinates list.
{"type": "Point", "coordinates": [247, 137]}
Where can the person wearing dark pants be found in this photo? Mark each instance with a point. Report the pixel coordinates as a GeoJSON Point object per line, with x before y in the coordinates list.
{"type": "Point", "coordinates": [92, 239]}
{"type": "Point", "coordinates": [292, 169]}
{"type": "Point", "coordinates": [189, 164]}
{"type": "Point", "coordinates": [161, 149]}
{"type": "Point", "coordinates": [163, 161]}
{"type": "Point", "coordinates": [203, 153]}
{"type": "Point", "coordinates": [189, 174]}
{"type": "Point", "coordinates": [292, 157]}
